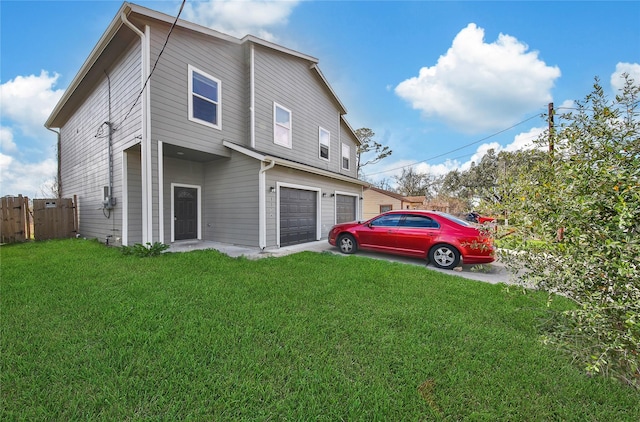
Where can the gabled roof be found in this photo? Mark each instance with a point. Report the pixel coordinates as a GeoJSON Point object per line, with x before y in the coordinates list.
{"type": "Point", "coordinates": [388, 193]}
{"type": "Point", "coordinates": [416, 199]}
{"type": "Point", "coordinates": [129, 8]}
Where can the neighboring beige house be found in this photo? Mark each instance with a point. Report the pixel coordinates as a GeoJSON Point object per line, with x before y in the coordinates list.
{"type": "Point", "coordinates": [377, 201]}
{"type": "Point", "coordinates": [414, 202]}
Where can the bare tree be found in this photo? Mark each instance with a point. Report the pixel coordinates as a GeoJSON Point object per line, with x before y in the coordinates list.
{"type": "Point", "coordinates": [369, 147]}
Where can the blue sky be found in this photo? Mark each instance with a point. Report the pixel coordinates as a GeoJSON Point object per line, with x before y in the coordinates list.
{"type": "Point", "coordinates": [437, 81]}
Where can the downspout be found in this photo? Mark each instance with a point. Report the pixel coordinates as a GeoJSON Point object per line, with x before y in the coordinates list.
{"type": "Point", "coordinates": [252, 95]}
{"type": "Point", "coordinates": [59, 173]}
{"type": "Point", "coordinates": [145, 143]}
{"type": "Point", "coordinates": [262, 202]}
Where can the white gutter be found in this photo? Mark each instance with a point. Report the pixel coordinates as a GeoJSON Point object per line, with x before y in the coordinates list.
{"type": "Point", "coordinates": [262, 202]}
{"type": "Point", "coordinates": [145, 143]}
{"type": "Point", "coordinates": [292, 164]}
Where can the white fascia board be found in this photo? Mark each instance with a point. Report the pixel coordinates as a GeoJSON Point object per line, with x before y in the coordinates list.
{"type": "Point", "coordinates": [291, 164]}
{"type": "Point", "coordinates": [102, 44]}
{"type": "Point", "coordinates": [282, 49]}
{"type": "Point", "coordinates": [112, 29]}
{"type": "Point", "coordinates": [163, 17]}
{"type": "Point", "coordinates": [343, 109]}
{"type": "Point", "coordinates": [245, 151]}
{"type": "Point", "coordinates": [346, 123]}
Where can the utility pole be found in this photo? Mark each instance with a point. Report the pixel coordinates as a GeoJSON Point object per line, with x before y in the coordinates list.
{"type": "Point", "coordinates": [560, 231]}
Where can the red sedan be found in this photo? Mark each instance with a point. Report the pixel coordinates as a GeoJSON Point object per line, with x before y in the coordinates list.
{"type": "Point", "coordinates": [439, 237]}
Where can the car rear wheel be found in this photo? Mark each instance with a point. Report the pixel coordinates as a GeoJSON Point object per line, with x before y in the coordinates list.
{"type": "Point", "coordinates": [444, 256]}
{"type": "Point", "coordinates": [347, 244]}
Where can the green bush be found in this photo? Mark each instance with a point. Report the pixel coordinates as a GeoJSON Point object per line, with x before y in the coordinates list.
{"type": "Point", "coordinates": [144, 251]}
{"type": "Point", "coordinates": [582, 207]}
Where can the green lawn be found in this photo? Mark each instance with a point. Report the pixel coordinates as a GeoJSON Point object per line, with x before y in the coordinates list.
{"type": "Point", "coordinates": [87, 333]}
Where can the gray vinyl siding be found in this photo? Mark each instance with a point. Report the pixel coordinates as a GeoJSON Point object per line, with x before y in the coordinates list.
{"type": "Point", "coordinates": [347, 137]}
{"type": "Point", "coordinates": [288, 81]}
{"type": "Point", "coordinates": [170, 96]}
{"type": "Point", "coordinates": [155, 197]}
{"type": "Point", "coordinates": [231, 200]}
{"type": "Point", "coordinates": [229, 184]}
{"type": "Point", "coordinates": [134, 197]}
{"type": "Point", "coordinates": [308, 180]}
{"type": "Point", "coordinates": [83, 154]}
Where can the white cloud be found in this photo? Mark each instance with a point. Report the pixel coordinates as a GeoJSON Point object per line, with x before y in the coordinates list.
{"type": "Point", "coordinates": [28, 179]}
{"type": "Point", "coordinates": [239, 18]}
{"type": "Point", "coordinates": [478, 86]}
{"type": "Point", "coordinates": [27, 160]}
{"type": "Point", "coordinates": [6, 140]}
{"type": "Point", "coordinates": [633, 69]}
{"type": "Point", "coordinates": [28, 101]}
{"type": "Point", "coordinates": [524, 140]}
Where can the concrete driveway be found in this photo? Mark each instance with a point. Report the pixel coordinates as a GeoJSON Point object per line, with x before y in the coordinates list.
{"type": "Point", "coordinates": [494, 273]}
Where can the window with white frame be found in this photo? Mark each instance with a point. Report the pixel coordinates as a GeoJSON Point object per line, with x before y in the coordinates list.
{"type": "Point", "coordinates": [346, 157]}
{"type": "Point", "coordinates": [204, 98]}
{"type": "Point", "coordinates": [281, 125]}
{"type": "Point", "coordinates": [324, 138]}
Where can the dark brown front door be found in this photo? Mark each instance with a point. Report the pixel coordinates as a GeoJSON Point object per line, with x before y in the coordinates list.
{"type": "Point", "coordinates": [185, 213]}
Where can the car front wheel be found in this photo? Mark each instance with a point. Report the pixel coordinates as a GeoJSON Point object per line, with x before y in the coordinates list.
{"type": "Point", "coordinates": [347, 244]}
{"type": "Point", "coordinates": [444, 256]}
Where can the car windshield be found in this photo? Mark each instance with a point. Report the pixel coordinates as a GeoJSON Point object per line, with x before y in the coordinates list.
{"type": "Point", "coordinates": [456, 219]}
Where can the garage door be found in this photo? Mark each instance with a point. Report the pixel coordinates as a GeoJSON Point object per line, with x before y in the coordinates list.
{"type": "Point", "coordinates": [298, 216]}
{"type": "Point", "coordinates": [345, 208]}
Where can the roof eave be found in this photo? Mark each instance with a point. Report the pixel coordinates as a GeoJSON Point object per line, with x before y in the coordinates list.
{"type": "Point", "coordinates": [273, 46]}
{"type": "Point", "coordinates": [102, 44]}
{"type": "Point", "coordinates": [107, 37]}
{"type": "Point", "coordinates": [292, 164]}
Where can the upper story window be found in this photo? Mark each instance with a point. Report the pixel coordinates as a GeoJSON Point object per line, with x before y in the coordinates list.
{"type": "Point", "coordinates": [281, 125]}
{"type": "Point", "coordinates": [346, 157]}
{"type": "Point", "coordinates": [204, 98]}
{"type": "Point", "coordinates": [324, 138]}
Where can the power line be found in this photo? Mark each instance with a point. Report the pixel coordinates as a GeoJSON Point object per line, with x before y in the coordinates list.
{"type": "Point", "coordinates": [456, 149]}
{"type": "Point", "coordinates": [166, 41]}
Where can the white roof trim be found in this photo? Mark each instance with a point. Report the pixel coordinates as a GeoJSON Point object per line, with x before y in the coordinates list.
{"type": "Point", "coordinates": [291, 164]}
{"type": "Point", "coordinates": [104, 41]}
{"type": "Point", "coordinates": [343, 109]}
{"type": "Point", "coordinates": [260, 41]}
{"type": "Point", "coordinates": [128, 8]}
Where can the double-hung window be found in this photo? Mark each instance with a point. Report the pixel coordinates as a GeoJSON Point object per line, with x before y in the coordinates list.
{"type": "Point", "coordinates": [324, 138]}
{"type": "Point", "coordinates": [281, 125]}
{"type": "Point", "coordinates": [346, 157]}
{"type": "Point", "coordinates": [204, 98]}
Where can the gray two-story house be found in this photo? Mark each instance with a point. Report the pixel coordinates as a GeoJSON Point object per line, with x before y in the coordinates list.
{"type": "Point", "coordinates": [172, 133]}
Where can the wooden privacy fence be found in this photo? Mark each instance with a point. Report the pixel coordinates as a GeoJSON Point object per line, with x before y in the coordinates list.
{"type": "Point", "coordinates": [54, 218]}
{"type": "Point", "coordinates": [16, 222]}
{"type": "Point", "coordinates": [50, 218]}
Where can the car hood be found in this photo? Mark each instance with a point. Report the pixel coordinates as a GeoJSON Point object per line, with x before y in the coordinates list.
{"type": "Point", "coordinates": [348, 225]}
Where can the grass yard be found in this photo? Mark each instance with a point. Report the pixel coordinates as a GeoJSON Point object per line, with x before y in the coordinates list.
{"type": "Point", "coordinates": [87, 333]}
